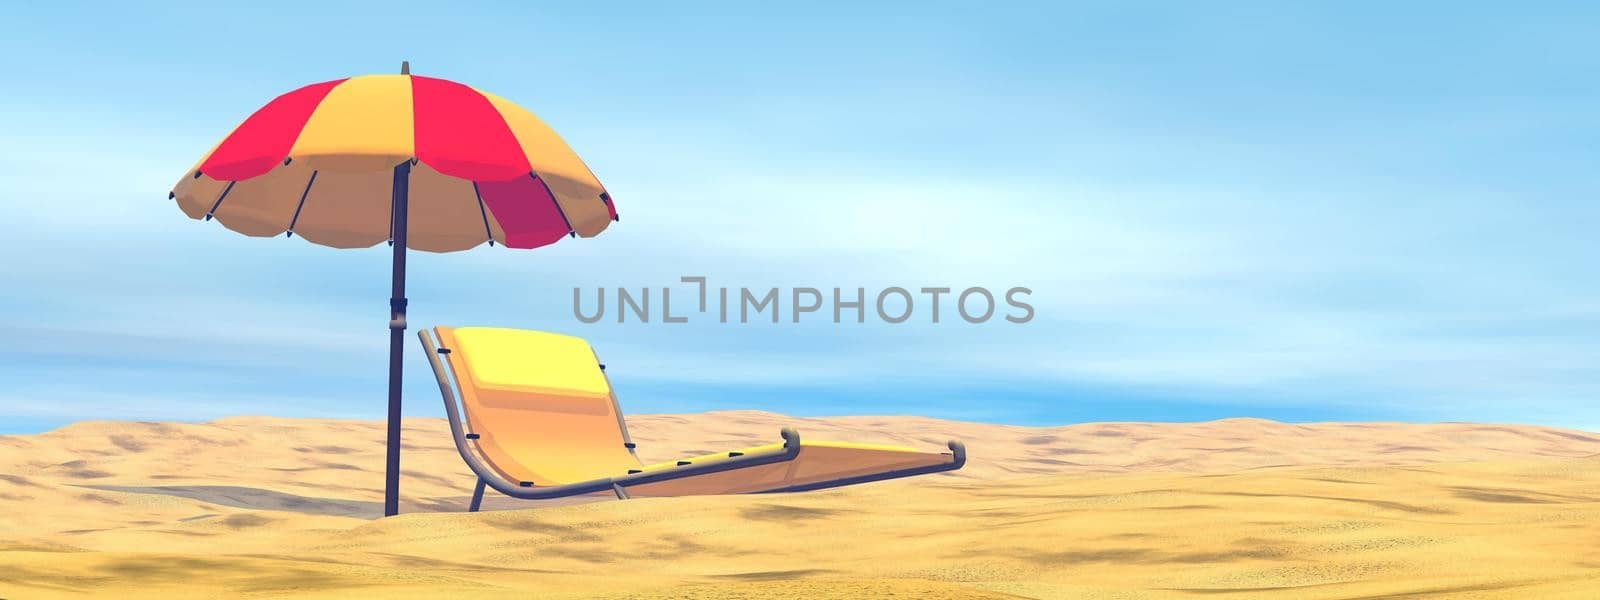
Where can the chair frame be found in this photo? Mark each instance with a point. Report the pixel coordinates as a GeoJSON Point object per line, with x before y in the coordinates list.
{"type": "Point", "coordinates": [488, 476]}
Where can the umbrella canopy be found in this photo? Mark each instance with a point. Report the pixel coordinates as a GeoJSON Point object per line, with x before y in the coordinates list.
{"type": "Point", "coordinates": [317, 162]}
{"type": "Point", "coordinates": [419, 162]}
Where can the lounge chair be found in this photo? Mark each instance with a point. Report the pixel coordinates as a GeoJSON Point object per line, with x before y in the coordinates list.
{"type": "Point", "coordinates": [542, 422]}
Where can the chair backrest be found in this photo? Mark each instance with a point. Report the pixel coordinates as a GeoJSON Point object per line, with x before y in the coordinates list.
{"type": "Point", "coordinates": [539, 402]}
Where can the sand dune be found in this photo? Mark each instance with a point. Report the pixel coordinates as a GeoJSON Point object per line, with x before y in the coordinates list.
{"type": "Point", "coordinates": [1233, 508]}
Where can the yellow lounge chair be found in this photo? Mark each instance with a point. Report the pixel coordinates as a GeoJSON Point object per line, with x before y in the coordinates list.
{"type": "Point", "coordinates": [542, 422]}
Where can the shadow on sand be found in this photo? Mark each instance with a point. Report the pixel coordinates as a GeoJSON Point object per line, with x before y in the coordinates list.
{"type": "Point", "coordinates": [257, 499]}
{"type": "Point", "coordinates": [263, 499]}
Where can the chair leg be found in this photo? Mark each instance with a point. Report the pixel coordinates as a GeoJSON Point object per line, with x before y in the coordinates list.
{"type": "Point", "coordinates": [477, 496]}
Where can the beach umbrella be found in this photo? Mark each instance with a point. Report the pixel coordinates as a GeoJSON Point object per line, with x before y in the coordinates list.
{"type": "Point", "coordinates": [418, 162]}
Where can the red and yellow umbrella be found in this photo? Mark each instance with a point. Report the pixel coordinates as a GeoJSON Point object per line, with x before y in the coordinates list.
{"type": "Point", "coordinates": [418, 162]}
{"type": "Point", "coordinates": [318, 162]}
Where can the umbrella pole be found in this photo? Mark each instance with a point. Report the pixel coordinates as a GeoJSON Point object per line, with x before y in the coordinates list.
{"type": "Point", "coordinates": [397, 329]}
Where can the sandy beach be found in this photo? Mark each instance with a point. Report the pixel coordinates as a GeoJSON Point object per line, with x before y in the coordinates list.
{"type": "Point", "coordinates": [1239, 508]}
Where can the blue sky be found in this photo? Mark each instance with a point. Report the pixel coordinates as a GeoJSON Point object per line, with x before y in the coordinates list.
{"type": "Point", "coordinates": [1339, 211]}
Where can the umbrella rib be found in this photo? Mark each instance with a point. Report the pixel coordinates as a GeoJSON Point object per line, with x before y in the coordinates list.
{"type": "Point", "coordinates": [303, 194]}
{"type": "Point", "coordinates": [553, 200]}
{"type": "Point", "coordinates": [391, 219]}
{"type": "Point", "coordinates": [393, 208]}
{"type": "Point", "coordinates": [220, 197]}
{"type": "Point", "coordinates": [484, 212]}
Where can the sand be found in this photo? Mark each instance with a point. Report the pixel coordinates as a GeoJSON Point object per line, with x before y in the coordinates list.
{"type": "Point", "coordinates": [1239, 508]}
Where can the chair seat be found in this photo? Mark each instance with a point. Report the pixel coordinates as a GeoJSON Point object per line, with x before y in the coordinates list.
{"type": "Point", "coordinates": [817, 462]}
